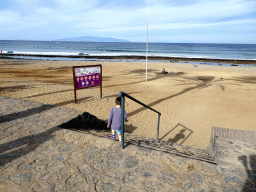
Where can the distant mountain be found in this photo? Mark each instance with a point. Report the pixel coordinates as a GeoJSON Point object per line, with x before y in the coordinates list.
{"type": "Point", "coordinates": [93, 39]}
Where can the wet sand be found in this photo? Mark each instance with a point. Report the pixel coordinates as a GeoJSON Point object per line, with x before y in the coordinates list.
{"type": "Point", "coordinates": [190, 99]}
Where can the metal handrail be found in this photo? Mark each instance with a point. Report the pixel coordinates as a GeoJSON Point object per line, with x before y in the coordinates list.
{"type": "Point", "coordinates": [123, 95]}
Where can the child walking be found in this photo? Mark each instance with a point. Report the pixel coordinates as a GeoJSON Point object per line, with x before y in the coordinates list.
{"type": "Point", "coordinates": [114, 119]}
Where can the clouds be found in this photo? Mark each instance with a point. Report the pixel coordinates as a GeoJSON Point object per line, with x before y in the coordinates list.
{"type": "Point", "coordinates": [55, 19]}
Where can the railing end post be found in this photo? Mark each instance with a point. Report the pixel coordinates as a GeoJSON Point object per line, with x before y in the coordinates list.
{"type": "Point", "coordinates": [122, 119]}
{"type": "Point", "coordinates": [157, 137]}
{"type": "Point", "coordinates": [121, 93]}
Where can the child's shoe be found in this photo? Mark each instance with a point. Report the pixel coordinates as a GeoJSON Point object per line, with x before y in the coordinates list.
{"type": "Point", "coordinates": [113, 136]}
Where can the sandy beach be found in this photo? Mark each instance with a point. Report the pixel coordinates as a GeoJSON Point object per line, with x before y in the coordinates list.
{"type": "Point", "coordinates": [190, 99]}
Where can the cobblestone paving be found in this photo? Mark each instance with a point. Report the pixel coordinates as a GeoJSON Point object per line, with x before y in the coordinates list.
{"type": "Point", "coordinates": [37, 155]}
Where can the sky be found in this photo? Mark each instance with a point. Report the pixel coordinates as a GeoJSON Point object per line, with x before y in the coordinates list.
{"type": "Point", "coordinates": [174, 21]}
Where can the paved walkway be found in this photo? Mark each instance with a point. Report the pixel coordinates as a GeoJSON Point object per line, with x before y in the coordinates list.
{"type": "Point", "coordinates": [38, 155]}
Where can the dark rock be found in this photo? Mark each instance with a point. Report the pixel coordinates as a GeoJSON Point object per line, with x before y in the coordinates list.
{"type": "Point", "coordinates": [114, 166]}
{"type": "Point", "coordinates": [85, 121]}
{"type": "Point", "coordinates": [131, 189]}
{"type": "Point", "coordinates": [22, 179]}
{"type": "Point", "coordinates": [51, 187]}
{"type": "Point", "coordinates": [60, 157]}
{"type": "Point", "coordinates": [93, 178]}
{"type": "Point", "coordinates": [195, 177]}
{"type": "Point", "coordinates": [212, 181]}
{"type": "Point", "coordinates": [24, 166]}
{"type": "Point", "coordinates": [189, 186]}
{"type": "Point", "coordinates": [85, 169]}
{"type": "Point", "coordinates": [142, 173]}
{"type": "Point", "coordinates": [116, 156]}
{"type": "Point", "coordinates": [152, 166]}
{"type": "Point", "coordinates": [112, 176]}
{"type": "Point", "coordinates": [168, 177]}
{"type": "Point", "coordinates": [239, 172]}
{"type": "Point", "coordinates": [66, 149]}
{"type": "Point", "coordinates": [78, 152]}
{"type": "Point", "coordinates": [47, 177]}
{"type": "Point", "coordinates": [129, 177]}
{"type": "Point", "coordinates": [74, 180]}
{"type": "Point", "coordinates": [43, 160]}
{"type": "Point", "coordinates": [234, 179]}
{"type": "Point", "coordinates": [153, 186]}
{"type": "Point", "coordinates": [105, 187]}
{"type": "Point", "coordinates": [229, 189]}
{"type": "Point", "coordinates": [130, 162]}
{"type": "Point", "coordinates": [100, 165]}
{"type": "Point", "coordinates": [176, 190]}
{"type": "Point", "coordinates": [89, 157]}
{"type": "Point", "coordinates": [49, 150]}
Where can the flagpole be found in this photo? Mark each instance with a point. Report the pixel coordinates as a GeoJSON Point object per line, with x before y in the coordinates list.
{"type": "Point", "coordinates": [147, 47]}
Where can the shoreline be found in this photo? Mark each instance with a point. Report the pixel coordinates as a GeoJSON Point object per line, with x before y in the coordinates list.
{"type": "Point", "coordinates": [134, 57]}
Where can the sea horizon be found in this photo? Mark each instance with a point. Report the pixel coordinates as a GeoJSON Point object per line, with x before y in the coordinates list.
{"type": "Point", "coordinates": [66, 49]}
{"type": "Point", "coordinates": [129, 42]}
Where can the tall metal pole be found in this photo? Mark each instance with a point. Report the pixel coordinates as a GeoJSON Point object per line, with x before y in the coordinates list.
{"type": "Point", "coordinates": [147, 47]}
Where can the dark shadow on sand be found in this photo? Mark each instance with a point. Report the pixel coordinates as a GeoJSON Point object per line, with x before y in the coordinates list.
{"type": "Point", "coordinates": [15, 88]}
{"type": "Point", "coordinates": [43, 94]}
{"type": "Point", "coordinates": [245, 79]}
{"type": "Point", "coordinates": [205, 83]}
{"type": "Point", "coordinates": [26, 113]}
{"type": "Point", "coordinates": [180, 135]}
{"type": "Point", "coordinates": [141, 72]}
{"type": "Point", "coordinates": [22, 146]}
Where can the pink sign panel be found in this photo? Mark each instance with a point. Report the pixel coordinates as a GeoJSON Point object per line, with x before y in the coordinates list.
{"type": "Point", "coordinates": [87, 77]}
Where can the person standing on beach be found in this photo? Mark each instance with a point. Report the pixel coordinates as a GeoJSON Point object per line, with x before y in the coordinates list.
{"type": "Point", "coordinates": [114, 119]}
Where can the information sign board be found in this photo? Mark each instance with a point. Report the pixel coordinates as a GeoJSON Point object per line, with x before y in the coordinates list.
{"type": "Point", "coordinates": [87, 76]}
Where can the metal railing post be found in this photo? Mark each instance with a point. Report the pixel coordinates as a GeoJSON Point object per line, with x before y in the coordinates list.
{"type": "Point", "coordinates": [122, 121]}
{"type": "Point", "coordinates": [158, 126]}
{"type": "Point", "coordinates": [122, 95]}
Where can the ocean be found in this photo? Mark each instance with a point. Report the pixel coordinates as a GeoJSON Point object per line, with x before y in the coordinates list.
{"type": "Point", "coordinates": [180, 50]}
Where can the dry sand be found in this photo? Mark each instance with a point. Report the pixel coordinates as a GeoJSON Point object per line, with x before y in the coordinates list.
{"type": "Point", "coordinates": [190, 99]}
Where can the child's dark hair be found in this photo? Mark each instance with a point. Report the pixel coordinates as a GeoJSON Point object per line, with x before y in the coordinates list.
{"type": "Point", "coordinates": [118, 100]}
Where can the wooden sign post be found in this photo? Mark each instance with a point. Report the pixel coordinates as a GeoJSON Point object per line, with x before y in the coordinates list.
{"type": "Point", "coordinates": [87, 76]}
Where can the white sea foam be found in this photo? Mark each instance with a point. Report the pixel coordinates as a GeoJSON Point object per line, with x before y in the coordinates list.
{"type": "Point", "coordinates": [171, 55]}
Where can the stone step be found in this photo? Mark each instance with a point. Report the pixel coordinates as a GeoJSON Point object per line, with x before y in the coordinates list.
{"type": "Point", "coordinates": [234, 151]}
{"type": "Point", "coordinates": [91, 125]}
{"type": "Point", "coordinates": [229, 136]}
{"type": "Point", "coordinates": [241, 135]}
{"type": "Point", "coordinates": [153, 144]}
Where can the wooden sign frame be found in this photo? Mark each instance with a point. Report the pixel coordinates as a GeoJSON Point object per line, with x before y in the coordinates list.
{"type": "Point", "coordinates": [74, 79]}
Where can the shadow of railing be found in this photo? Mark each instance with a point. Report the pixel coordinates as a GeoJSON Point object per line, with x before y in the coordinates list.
{"type": "Point", "coordinates": [143, 142]}
{"type": "Point", "coordinates": [170, 148]}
